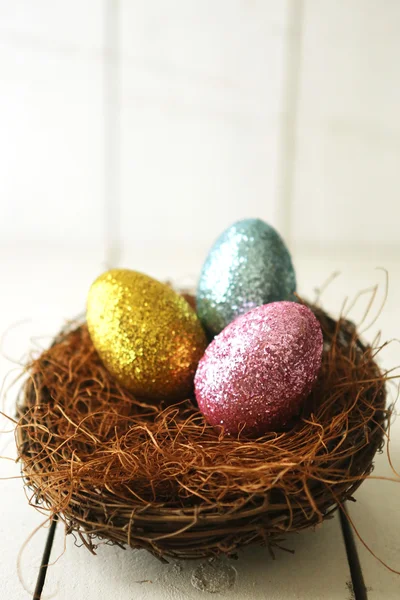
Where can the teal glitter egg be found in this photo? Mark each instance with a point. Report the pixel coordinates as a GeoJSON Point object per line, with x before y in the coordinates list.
{"type": "Point", "coordinates": [248, 266]}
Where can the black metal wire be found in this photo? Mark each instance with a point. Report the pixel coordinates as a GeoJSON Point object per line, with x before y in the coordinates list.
{"type": "Point", "coordinates": [360, 591]}
{"type": "Point", "coordinates": [45, 560]}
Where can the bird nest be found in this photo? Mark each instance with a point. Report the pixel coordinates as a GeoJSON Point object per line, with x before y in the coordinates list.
{"type": "Point", "coordinates": [147, 475]}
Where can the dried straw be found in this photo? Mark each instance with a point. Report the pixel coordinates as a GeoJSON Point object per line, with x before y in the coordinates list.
{"type": "Point", "coordinates": [146, 475]}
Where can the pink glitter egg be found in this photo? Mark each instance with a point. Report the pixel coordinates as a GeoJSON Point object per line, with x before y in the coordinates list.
{"type": "Point", "coordinates": [256, 374]}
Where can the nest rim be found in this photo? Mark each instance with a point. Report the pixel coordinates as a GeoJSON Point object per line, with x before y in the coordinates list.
{"type": "Point", "coordinates": [204, 529]}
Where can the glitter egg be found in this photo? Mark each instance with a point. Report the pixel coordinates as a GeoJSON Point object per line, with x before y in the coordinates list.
{"type": "Point", "coordinates": [146, 334]}
{"type": "Point", "coordinates": [255, 375]}
{"type": "Point", "coordinates": [248, 266]}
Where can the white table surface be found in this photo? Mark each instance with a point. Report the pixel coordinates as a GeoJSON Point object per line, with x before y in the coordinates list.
{"type": "Point", "coordinates": [41, 288]}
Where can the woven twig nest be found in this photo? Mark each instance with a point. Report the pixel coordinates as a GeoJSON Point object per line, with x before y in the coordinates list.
{"type": "Point", "coordinates": [153, 476]}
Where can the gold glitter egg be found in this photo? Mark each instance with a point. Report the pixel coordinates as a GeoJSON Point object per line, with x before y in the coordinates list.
{"type": "Point", "coordinates": [145, 333]}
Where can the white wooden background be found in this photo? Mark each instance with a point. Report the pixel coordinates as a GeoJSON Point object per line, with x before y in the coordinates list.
{"type": "Point", "coordinates": [132, 133]}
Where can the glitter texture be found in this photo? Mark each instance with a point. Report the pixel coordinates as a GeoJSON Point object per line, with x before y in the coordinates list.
{"type": "Point", "coordinates": [258, 371]}
{"type": "Point", "coordinates": [249, 265]}
{"type": "Point", "coordinates": [147, 335]}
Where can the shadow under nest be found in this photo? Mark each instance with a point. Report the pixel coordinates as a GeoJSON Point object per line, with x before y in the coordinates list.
{"type": "Point", "coordinates": [158, 477]}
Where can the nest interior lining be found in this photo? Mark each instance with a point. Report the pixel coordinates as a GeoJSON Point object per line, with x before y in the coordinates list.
{"type": "Point", "coordinates": [155, 476]}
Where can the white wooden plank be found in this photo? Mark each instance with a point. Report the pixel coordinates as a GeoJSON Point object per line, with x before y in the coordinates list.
{"type": "Point", "coordinates": [72, 25]}
{"type": "Point", "coordinates": [376, 512]}
{"type": "Point", "coordinates": [201, 91]}
{"type": "Point", "coordinates": [316, 571]}
{"type": "Point", "coordinates": [348, 135]}
{"type": "Point", "coordinates": [40, 291]}
{"type": "Point", "coordinates": [376, 517]}
{"type": "Point", "coordinates": [51, 119]}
